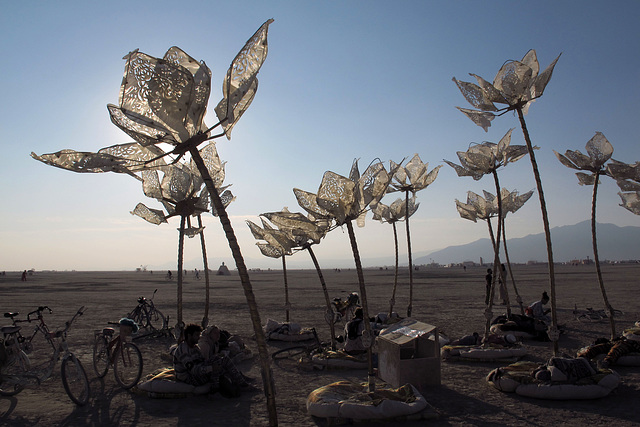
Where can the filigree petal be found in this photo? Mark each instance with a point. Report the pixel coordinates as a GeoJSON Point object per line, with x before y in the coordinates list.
{"type": "Point", "coordinates": [480, 118]}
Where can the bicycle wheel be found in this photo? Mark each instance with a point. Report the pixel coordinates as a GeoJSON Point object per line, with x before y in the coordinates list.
{"type": "Point", "coordinates": [75, 381]}
{"type": "Point", "coordinates": [589, 317]}
{"type": "Point", "coordinates": [157, 320]}
{"type": "Point", "coordinates": [12, 380]}
{"type": "Point", "coordinates": [127, 365]}
{"type": "Point", "coordinates": [101, 356]}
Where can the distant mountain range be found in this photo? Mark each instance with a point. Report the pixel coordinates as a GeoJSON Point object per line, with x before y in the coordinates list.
{"type": "Point", "coordinates": [569, 242]}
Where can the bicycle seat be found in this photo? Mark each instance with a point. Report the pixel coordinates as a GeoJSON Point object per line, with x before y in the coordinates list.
{"type": "Point", "coordinates": [141, 300]}
{"type": "Point", "coordinates": [11, 314]}
{"type": "Point", "coordinates": [10, 329]}
{"type": "Point", "coordinates": [108, 331]}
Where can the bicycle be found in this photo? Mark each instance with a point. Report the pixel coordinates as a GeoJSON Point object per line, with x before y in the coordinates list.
{"type": "Point", "coordinates": [148, 317]}
{"type": "Point", "coordinates": [299, 354]}
{"type": "Point", "coordinates": [591, 315]}
{"type": "Point", "coordinates": [74, 377]}
{"type": "Point", "coordinates": [124, 356]}
{"type": "Point", "coordinates": [14, 362]}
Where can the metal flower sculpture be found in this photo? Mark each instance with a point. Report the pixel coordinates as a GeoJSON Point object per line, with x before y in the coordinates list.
{"type": "Point", "coordinates": [628, 178]}
{"type": "Point", "coordinates": [410, 179]}
{"type": "Point", "coordinates": [391, 214]}
{"type": "Point", "coordinates": [163, 100]}
{"type": "Point", "coordinates": [278, 245]}
{"type": "Point", "coordinates": [599, 151]}
{"type": "Point", "coordinates": [305, 231]}
{"type": "Point", "coordinates": [517, 84]}
{"type": "Point", "coordinates": [484, 208]}
{"type": "Point", "coordinates": [345, 200]}
{"type": "Point", "coordinates": [182, 193]}
{"type": "Point", "coordinates": [484, 159]}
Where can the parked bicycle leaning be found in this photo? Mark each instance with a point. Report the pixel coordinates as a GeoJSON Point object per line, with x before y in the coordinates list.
{"type": "Point", "coordinates": [124, 356]}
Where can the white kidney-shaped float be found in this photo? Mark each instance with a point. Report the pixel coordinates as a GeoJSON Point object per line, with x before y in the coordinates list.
{"type": "Point", "coordinates": [162, 384]}
{"type": "Point", "coordinates": [348, 400]}
{"type": "Point", "coordinates": [517, 378]}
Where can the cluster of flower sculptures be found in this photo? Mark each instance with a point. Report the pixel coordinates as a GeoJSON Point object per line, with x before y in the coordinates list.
{"type": "Point", "coordinates": [163, 103]}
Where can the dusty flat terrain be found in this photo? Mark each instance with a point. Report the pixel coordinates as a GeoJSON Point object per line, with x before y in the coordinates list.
{"type": "Point", "coordinates": [451, 299]}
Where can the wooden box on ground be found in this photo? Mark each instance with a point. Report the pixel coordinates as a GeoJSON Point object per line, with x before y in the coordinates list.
{"type": "Point", "coordinates": [409, 352]}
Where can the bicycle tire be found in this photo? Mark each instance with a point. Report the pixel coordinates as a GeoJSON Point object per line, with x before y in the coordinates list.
{"type": "Point", "coordinates": [11, 376]}
{"type": "Point", "coordinates": [289, 353]}
{"type": "Point", "coordinates": [101, 356]}
{"type": "Point", "coordinates": [589, 317]}
{"type": "Point", "coordinates": [75, 381]}
{"type": "Point", "coordinates": [127, 365]}
{"type": "Point", "coordinates": [156, 318]}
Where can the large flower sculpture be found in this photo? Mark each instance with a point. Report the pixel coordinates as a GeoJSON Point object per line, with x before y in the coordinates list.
{"type": "Point", "coordinates": [278, 245]}
{"type": "Point", "coordinates": [485, 159]}
{"type": "Point", "coordinates": [345, 200]}
{"type": "Point", "coordinates": [599, 151]}
{"type": "Point", "coordinates": [391, 214]}
{"type": "Point", "coordinates": [302, 232]}
{"type": "Point", "coordinates": [516, 85]}
{"type": "Point", "coordinates": [182, 193]}
{"type": "Point", "coordinates": [164, 100]}
{"type": "Point", "coordinates": [410, 179]}
{"type": "Point", "coordinates": [485, 208]}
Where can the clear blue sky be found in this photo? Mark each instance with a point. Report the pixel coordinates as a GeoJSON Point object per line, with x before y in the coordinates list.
{"type": "Point", "coordinates": [343, 80]}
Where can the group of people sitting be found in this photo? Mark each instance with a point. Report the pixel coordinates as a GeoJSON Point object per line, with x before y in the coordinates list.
{"type": "Point", "coordinates": [199, 360]}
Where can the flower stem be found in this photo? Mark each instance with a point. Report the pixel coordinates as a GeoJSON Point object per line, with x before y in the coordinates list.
{"type": "Point", "coordinates": [205, 319]}
{"type": "Point", "coordinates": [363, 299]}
{"type": "Point", "coordinates": [331, 321]}
{"type": "Point", "coordinates": [261, 342]}
{"type": "Point", "coordinates": [410, 306]}
{"type": "Point", "coordinates": [545, 223]}
{"type": "Point", "coordinates": [286, 288]}
{"type": "Point", "coordinates": [395, 277]}
{"type": "Point", "coordinates": [596, 258]}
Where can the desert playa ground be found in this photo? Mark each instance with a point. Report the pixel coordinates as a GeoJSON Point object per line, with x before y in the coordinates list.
{"type": "Point", "coordinates": [451, 299]}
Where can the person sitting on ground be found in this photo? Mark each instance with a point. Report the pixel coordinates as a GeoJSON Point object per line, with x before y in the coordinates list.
{"type": "Point", "coordinates": [537, 310]}
{"type": "Point", "coordinates": [614, 349]}
{"type": "Point", "coordinates": [214, 342]}
{"type": "Point", "coordinates": [192, 368]}
{"type": "Point", "coordinates": [353, 333]}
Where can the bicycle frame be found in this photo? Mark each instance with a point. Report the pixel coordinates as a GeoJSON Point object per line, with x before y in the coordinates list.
{"type": "Point", "coordinates": [57, 340]}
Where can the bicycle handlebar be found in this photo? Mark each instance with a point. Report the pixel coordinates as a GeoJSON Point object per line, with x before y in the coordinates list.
{"type": "Point", "coordinates": [38, 311]}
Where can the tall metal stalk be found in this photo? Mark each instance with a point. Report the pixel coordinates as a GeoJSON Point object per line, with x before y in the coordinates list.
{"type": "Point", "coordinates": [547, 232]}
{"type": "Point", "coordinates": [183, 220]}
{"type": "Point", "coordinates": [267, 374]}
{"type": "Point", "coordinates": [506, 255]}
{"type": "Point", "coordinates": [392, 301]}
{"type": "Point", "coordinates": [365, 308]}
{"type": "Point", "coordinates": [410, 306]}
{"type": "Point", "coordinates": [330, 313]}
{"type": "Point", "coordinates": [287, 304]}
{"type": "Point", "coordinates": [596, 258]}
{"type": "Point", "coordinates": [205, 262]}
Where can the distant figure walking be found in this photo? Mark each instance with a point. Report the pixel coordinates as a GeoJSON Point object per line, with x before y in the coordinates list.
{"type": "Point", "coordinates": [488, 278]}
{"type": "Point", "coordinates": [24, 276]}
{"type": "Point", "coordinates": [168, 274]}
